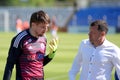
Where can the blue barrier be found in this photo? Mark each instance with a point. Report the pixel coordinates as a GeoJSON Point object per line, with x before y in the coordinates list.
{"type": "Point", "coordinates": [84, 16]}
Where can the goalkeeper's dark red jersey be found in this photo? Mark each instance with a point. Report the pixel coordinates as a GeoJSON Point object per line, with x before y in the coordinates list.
{"type": "Point", "coordinates": [28, 53]}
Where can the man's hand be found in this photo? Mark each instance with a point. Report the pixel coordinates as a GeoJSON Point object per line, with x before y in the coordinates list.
{"type": "Point", "coordinates": [53, 47]}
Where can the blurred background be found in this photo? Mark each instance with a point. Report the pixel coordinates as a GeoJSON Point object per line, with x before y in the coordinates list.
{"type": "Point", "coordinates": [71, 15]}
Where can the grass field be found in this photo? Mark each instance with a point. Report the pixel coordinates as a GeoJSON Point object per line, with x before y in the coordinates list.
{"type": "Point", "coordinates": [60, 65]}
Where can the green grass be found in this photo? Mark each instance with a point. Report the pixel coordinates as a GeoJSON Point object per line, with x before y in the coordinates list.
{"type": "Point", "coordinates": [58, 68]}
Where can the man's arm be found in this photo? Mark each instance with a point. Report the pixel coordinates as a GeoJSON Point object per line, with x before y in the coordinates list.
{"type": "Point", "coordinates": [46, 60]}
{"type": "Point", "coordinates": [76, 65]}
{"type": "Point", "coordinates": [11, 60]}
{"type": "Point", "coordinates": [116, 62]}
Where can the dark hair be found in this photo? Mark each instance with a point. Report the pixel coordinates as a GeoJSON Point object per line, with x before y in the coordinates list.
{"type": "Point", "coordinates": [102, 25]}
{"type": "Point", "coordinates": [39, 17]}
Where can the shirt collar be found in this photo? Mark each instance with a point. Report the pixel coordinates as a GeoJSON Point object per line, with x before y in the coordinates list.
{"type": "Point", "coordinates": [105, 44]}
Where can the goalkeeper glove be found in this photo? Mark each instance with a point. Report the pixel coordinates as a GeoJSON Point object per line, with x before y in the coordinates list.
{"type": "Point", "coordinates": [53, 47]}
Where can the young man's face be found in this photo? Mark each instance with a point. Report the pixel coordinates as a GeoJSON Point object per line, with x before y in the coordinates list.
{"type": "Point", "coordinates": [40, 28]}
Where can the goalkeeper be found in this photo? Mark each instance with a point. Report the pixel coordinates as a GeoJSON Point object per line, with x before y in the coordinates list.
{"type": "Point", "coordinates": [27, 50]}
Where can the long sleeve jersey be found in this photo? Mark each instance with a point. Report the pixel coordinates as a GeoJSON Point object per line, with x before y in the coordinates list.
{"type": "Point", "coordinates": [28, 54]}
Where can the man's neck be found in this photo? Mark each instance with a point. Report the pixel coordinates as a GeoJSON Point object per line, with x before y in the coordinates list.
{"type": "Point", "coordinates": [99, 42]}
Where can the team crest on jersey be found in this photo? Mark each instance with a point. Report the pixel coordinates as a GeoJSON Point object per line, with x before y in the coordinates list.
{"type": "Point", "coordinates": [42, 45]}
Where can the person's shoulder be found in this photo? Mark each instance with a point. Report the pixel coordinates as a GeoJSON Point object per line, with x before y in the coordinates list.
{"type": "Point", "coordinates": [85, 41]}
{"type": "Point", "coordinates": [21, 34]}
{"type": "Point", "coordinates": [18, 38]}
{"type": "Point", "coordinates": [111, 45]}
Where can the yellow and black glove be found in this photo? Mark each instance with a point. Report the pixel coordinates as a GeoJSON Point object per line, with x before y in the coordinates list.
{"type": "Point", "coordinates": [53, 45]}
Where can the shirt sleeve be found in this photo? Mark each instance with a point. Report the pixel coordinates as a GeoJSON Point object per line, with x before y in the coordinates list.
{"type": "Point", "coordinates": [11, 60]}
{"type": "Point", "coordinates": [76, 65]}
{"type": "Point", "coordinates": [46, 60]}
{"type": "Point", "coordinates": [116, 61]}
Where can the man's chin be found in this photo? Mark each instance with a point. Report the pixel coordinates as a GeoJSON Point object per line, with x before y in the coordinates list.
{"type": "Point", "coordinates": [41, 34]}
